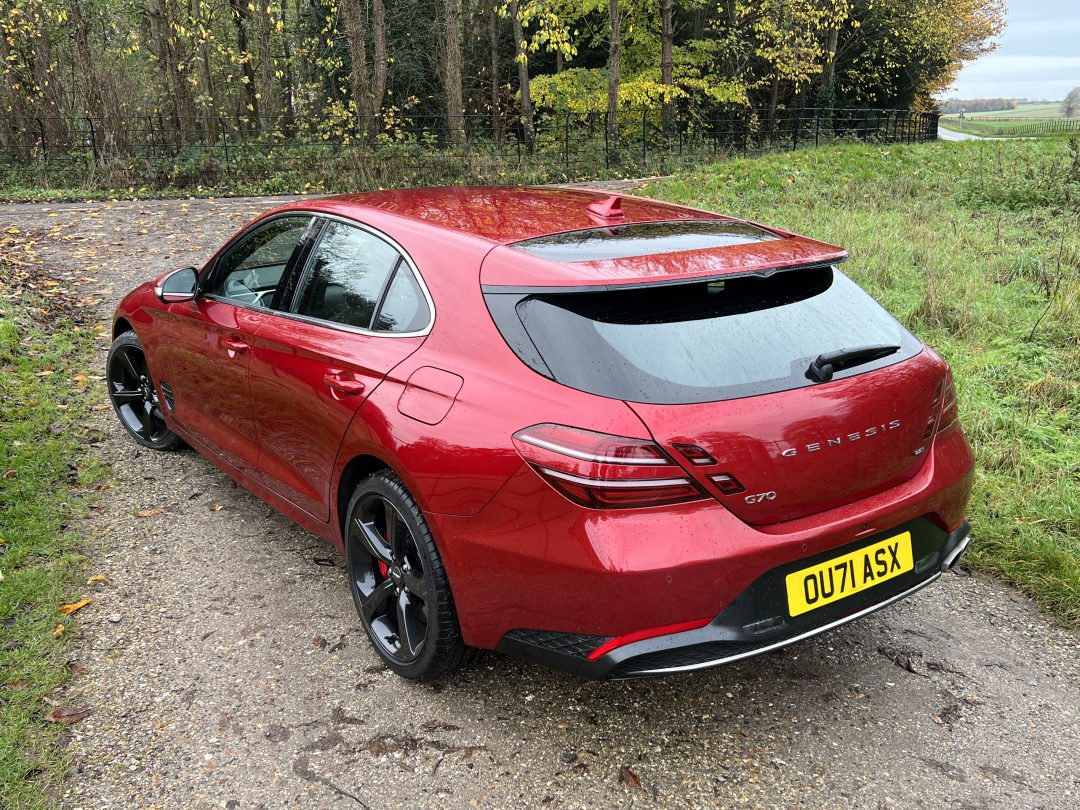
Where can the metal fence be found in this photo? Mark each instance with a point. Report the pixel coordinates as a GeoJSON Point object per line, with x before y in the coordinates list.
{"type": "Point", "coordinates": [153, 152]}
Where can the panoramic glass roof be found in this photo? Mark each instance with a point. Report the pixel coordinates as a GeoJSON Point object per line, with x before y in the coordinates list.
{"type": "Point", "coordinates": [642, 239]}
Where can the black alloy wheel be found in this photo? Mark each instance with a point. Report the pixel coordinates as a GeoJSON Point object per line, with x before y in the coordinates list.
{"type": "Point", "coordinates": [398, 583]}
{"type": "Point", "coordinates": [134, 396]}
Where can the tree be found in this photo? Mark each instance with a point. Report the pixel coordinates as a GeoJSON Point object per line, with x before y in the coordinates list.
{"type": "Point", "coordinates": [521, 56]}
{"type": "Point", "coordinates": [241, 14]}
{"type": "Point", "coordinates": [455, 108]}
{"type": "Point", "coordinates": [667, 42]}
{"type": "Point", "coordinates": [368, 86]}
{"type": "Point", "coordinates": [1070, 107]}
{"type": "Point", "coordinates": [613, 69]}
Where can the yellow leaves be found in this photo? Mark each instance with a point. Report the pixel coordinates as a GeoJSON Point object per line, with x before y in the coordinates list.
{"type": "Point", "coordinates": [145, 513]}
{"type": "Point", "coordinates": [58, 630]}
{"type": "Point", "coordinates": [68, 609]}
{"type": "Point", "coordinates": [96, 578]}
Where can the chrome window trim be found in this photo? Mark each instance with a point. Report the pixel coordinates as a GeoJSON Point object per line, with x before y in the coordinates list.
{"type": "Point", "coordinates": [341, 327]}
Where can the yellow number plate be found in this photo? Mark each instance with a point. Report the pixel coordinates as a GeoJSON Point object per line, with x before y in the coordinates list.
{"type": "Point", "coordinates": [827, 582]}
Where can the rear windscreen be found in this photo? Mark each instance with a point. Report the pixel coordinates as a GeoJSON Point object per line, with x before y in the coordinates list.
{"type": "Point", "coordinates": [698, 342]}
{"type": "Point", "coordinates": [642, 239]}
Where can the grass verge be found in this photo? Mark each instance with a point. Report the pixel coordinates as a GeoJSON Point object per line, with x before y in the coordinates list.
{"type": "Point", "coordinates": [976, 248]}
{"type": "Point", "coordinates": [43, 404]}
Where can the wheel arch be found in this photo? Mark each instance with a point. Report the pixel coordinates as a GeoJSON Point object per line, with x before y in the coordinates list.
{"type": "Point", "coordinates": [121, 325]}
{"type": "Point", "coordinates": [354, 471]}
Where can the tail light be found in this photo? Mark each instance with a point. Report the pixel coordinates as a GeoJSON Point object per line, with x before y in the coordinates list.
{"type": "Point", "coordinates": [935, 411]}
{"type": "Point", "coordinates": [949, 411]}
{"type": "Point", "coordinates": [602, 471]}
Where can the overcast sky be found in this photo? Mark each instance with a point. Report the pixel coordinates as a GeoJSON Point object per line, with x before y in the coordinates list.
{"type": "Point", "coordinates": [1039, 57]}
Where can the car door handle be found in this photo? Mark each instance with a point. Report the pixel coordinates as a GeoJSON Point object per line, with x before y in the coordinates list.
{"type": "Point", "coordinates": [234, 347]}
{"type": "Point", "coordinates": [344, 385]}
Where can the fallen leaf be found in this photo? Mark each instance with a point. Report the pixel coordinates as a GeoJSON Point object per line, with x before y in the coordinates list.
{"type": "Point", "coordinates": [319, 642]}
{"type": "Point", "coordinates": [67, 714]}
{"type": "Point", "coordinates": [58, 631]}
{"type": "Point", "coordinates": [215, 507]}
{"type": "Point", "coordinates": [16, 686]}
{"type": "Point", "coordinates": [81, 379]}
{"type": "Point", "coordinates": [11, 473]}
{"type": "Point", "coordinates": [157, 510]}
{"type": "Point", "coordinates": [97, 578]}
{"type": "Point", "coordinates": [76, 669]}
{"type": "Point", "coordinates": [628, 777]}
{"type": "Point", "coordinates": [67, 610]}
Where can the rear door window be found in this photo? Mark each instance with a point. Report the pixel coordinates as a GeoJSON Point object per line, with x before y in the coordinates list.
{"type": "Point", "coordinates": [702, 341]}
{"type": "Point", "coordinates": [347, 274]}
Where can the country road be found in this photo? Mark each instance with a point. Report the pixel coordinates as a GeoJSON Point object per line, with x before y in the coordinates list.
{"type": "Point", "coordinates": [945, 134]}
{"type": "Point", "coordinates": [226, 666]}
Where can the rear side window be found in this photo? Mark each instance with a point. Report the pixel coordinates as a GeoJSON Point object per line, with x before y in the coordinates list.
{"type": "Point", "coordinates": [702, 341]}
{"type": "Point", "coordinates": [404, 309]}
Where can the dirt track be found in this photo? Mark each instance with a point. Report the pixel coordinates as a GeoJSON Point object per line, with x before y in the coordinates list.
{"type": "Point", "coordinates": [227, 668]}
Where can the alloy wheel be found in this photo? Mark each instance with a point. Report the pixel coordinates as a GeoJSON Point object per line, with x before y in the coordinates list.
{"type": "Point", "coordinates": [387, 578]}
{"type": "Point", "coordinates": [134, 396]}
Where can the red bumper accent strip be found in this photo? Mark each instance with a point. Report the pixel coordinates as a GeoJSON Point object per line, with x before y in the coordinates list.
{"type": "Point", "coordinates": [641, 635]}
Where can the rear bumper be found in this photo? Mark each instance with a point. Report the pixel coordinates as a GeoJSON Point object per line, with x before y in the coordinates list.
{"type": "Point", "coordinates": [737, 633]}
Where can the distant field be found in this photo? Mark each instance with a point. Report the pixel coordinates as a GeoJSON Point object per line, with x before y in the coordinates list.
{"type": "Point", "coordinates": [1026, 121]}
{"type": "Point", "coordinates": [1023, 111]}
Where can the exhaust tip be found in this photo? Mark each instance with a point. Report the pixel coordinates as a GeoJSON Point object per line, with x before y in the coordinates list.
{"type": "Point", "coordinates": [956, 553]}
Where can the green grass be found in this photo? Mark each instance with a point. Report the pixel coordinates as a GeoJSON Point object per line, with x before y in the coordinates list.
{"type": "Point", "coordinates": [975, 247]}
{"type": "Point", "coordinates": [42, 444]}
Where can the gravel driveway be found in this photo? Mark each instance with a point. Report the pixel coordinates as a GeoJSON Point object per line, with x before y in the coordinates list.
{"type": "Point", "coordinates": [227, 667]}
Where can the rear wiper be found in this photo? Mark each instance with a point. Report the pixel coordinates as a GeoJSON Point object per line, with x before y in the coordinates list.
{"type": "Point", "coordinates": [823, 368]}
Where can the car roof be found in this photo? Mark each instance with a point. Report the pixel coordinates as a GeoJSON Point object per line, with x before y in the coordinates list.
{"type": "Point", "coordinates": [498, 216]}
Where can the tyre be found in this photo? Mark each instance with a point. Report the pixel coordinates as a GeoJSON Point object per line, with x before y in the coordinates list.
{"type": "Point", "coordinates": [398, 581]}
{"type": "Point", "coordinates": [134, 395]}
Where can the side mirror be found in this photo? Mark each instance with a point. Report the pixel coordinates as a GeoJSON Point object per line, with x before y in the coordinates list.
{"type": "Point", "coordinates": [179, 285]}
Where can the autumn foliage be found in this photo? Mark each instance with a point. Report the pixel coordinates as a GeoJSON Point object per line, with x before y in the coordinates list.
{"type": "Point", "coordinates": [353, 68]}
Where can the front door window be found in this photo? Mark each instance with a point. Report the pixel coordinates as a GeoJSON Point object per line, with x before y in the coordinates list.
{"type": "Point", "coordinates": [252, 270]}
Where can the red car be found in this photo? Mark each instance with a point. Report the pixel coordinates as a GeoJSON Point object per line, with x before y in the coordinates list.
{"type": "Point", "coordinates": [616, 436]}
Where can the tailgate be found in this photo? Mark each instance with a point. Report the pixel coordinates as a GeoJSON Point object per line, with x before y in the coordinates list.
{"type": "Point", "coordinates": [810, 449]}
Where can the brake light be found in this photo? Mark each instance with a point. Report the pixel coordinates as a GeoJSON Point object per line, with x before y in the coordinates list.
{"type": "Point", "coordinates": [602, 471]}
{"type": "Point", "coordinates": [949, 410]}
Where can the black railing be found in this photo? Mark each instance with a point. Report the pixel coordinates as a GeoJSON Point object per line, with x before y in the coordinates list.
{"type": "Point", "coordinates": [153, 152]}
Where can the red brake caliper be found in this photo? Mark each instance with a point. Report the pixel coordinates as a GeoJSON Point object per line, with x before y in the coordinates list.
{"type": "Point", "coordinates": [384, 572]}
